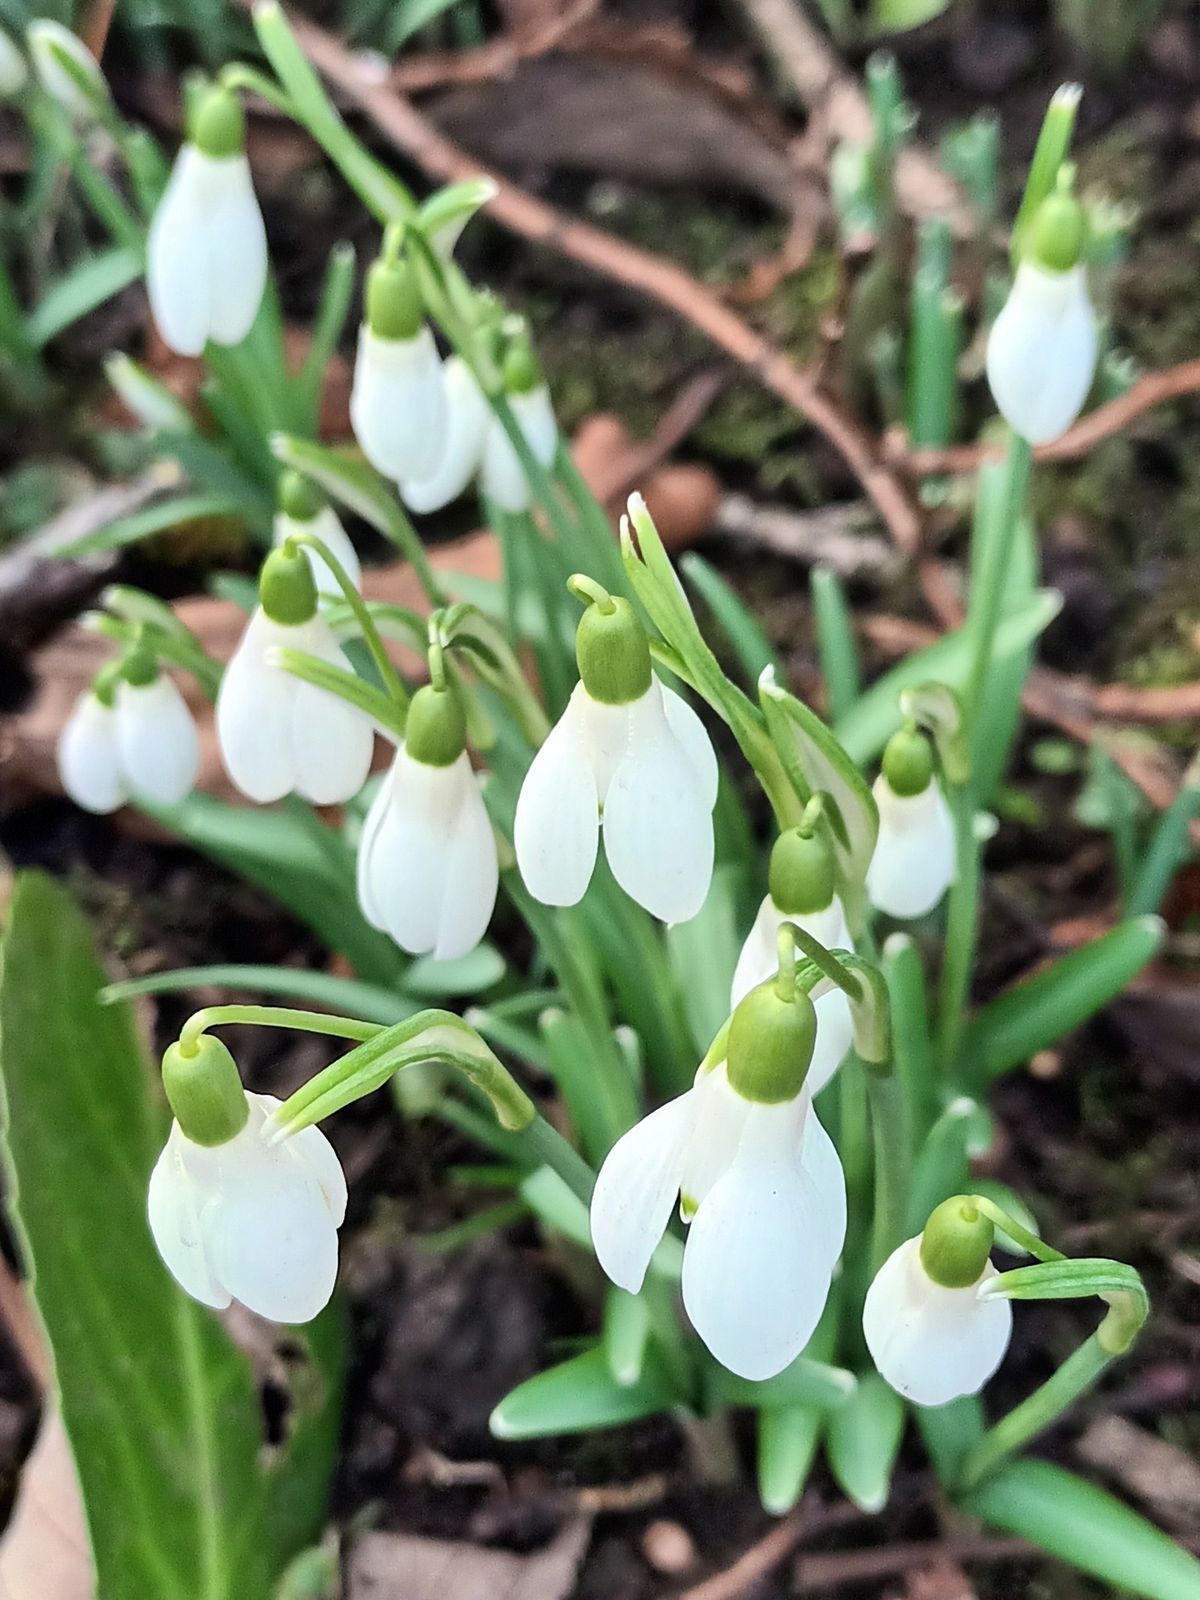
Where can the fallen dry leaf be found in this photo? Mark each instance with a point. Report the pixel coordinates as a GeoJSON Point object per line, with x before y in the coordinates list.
{"type": "Point", "coordinates": [1159, 1473]}
{"type": "Point", "coordinates": [45, 1553]}
{"type": "Point", "coordinates": [399, 1566]}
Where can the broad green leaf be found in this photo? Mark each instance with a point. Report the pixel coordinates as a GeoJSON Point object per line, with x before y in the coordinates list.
{"type": "Point", "coordinates": [739, 625]}
{"type": "Point", "coordinates": [805, 1382]}
{"type": "Point", "coordinates": [861, 1441]}
{"type": "Point", "coordinates": [898, 16]}
{"type": "Point", "coordinates": [601, 1103]}
{"type": "Point", "coordinates": [470, 974]}
{"type": "Point", "coordinates": [1017, 1024]}
{"type": "Point", "coordinates": [581, 1395]}
{"type": "Point", "coordinates": [81, 290]}
{"type": "Point", "coordinates": [626, 1335]}
{"type": "Point", "coordinates": [941, 1166]}
{"type": "Point", "coordinates": [157, 518]}
{"type": "Point", "coordinates": [788, 1437]}
{"type": "Point", "coordinates": [949, 1432]}
{"type": "Point", "coordinates": [161, 1408]}
{"type": "Point", "coordinates": [835, 642]}
{"type": "Point", "coordinates": [1086, 1526]}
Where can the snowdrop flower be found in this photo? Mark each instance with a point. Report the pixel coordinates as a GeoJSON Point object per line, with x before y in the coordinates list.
{"type": "Point", "coordinates": [48, 43]}
{"type": "Point", "coordinates": [914, 860]}
{"type": "Point", "coordinates": [278, 734]}
{"type": "Point", "coordinates": [930, 1333]}
{"type": "Point", "coordinates": [1043, 347]}
{"type": "Point", "coordinates": [134, 741]}
{"type": "Point", "coordinates": [206, 253]}
{"type": "Point", "coordinates": [629, 753]}
{"type": "Point", "coordinates": [14, 74]}
{"type": "Point", "coordinates": [427, 864]}
{"type": "Point", "coordinates": [802, 879]}
{"type": "Point", "coordinates": [398, 399]}
{"type": "Point", "coordinates": [503, 479]}
{"type": "Point", "coordinates": [304, 509]}
{"type": "Point", "coordinates": [234, 1216]}
{"type": "Point", "coordinates": [759, 1183]}
{"type": "Point", "coordinates": [468, 417]}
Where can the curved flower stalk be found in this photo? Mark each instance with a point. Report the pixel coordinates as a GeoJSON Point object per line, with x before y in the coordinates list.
{"type": "Point", "coordinates": [303, 510]}
{"type": "Point", "coordinates": [802, 891]}
{"type": "Point", "coordinates": [206, 253]}
{"type": "Point", "coordinates": [930, 1332]}
{"type": "Point", "coordinates": [278, 734]}
{"type": "Point", "coordinates": [398, 399]}
{"type": "Point", "coordinates": [428, 871]}
{"type": "Point", "coordinates": [914, 860]}
{"type": "Point", "coordinates": [79, 87]}
{"type": "Point", "coordinates": [135, 739]}
{"type": "Point", "coordinates": [1043, 347]}
{"type": "Point", "coordinates": [234, 1214]}
{"type": "Point", "coordinates": [631, 755]}
{"type": "Point", "coordinates": [757, 1178]}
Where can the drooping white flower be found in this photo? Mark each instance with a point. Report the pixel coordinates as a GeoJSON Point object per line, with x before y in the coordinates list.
{"type": "Point", "coordinates": [206, 252]}
{"type": "Point", "coordinates": [326, 525]}
{"type": "Point", "coordinates": [468, 418]}
{"type": "Point", "coordinates": [144, 746]}
{"type": "Point", "coordinates": [398, 397]}
{"type": "Point", "coordinates": [1042, 352]}
{"type": "Point", "coordinates": [914, 860]}
{"type": "Point", "coordinates": [763, 1189]}
{"type": "Point", "coordinates": [48, 41]}
{"type": "Point", "coordinates": [930, 1342]}
{"type": "Point", "coordinates": [14, 74]}
{"type": "Point", "coordinates": [279, 735]}
{"type": "Point", "coordinates": [427, 865]}
{"type": "Point", "coordinates": [249, 1220]}
{"type": "Point", "coordinates": [503, 479]}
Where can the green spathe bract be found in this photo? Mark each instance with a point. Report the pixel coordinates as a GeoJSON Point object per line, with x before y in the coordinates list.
{"type": "Point", "coordinates": [205, 1091]}
{"type": "Point", "coordinates": [771, 1040]}
{"type": "Point", "coordinates": [436, 731]}
{"type": "Point", "coordinates": [612, 653]}
{"type": "Point", "coordinates": [287, 589]}
{"type": "Point", "coordinates": [956, 1243]}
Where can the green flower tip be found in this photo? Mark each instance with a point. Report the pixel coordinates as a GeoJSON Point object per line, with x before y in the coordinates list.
{"type": "Point", "coordinates": [205, 1091]}
{"type": "Point", "coordinates": [520, 367]}
{"type": "Point", "coordinates": [956, 1243]}
{"type": "Point", "coordinates": [908, 762]}
{"type": "Point", "coordinates": [1059, 228]}
{"type": "Point", "coordinates": [140, 666]}
{"type": "Point", "coordinates": [802, 876]}
{"type": "Point", "coordinates": [771, 1038]}
{"type": "Point", "coordinates": [299, 497]}
{"type": "Point", "coordinates": [613, 652]}
{"type": "Point", "coordinates": [435, 733]}
{"type": "Point", "coordinates": [287, 590]}
{"type": "Point", "coordinates": [219, 125]}
{"type": "Point", "coordinates": [394, 309]}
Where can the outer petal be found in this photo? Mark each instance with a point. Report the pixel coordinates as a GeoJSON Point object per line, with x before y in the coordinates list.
{"type": "Point", "coordinates": [636, 1189]}
{"type": "Point", "coordinates": [255, 705]}
{"type": "Point", "coordinates": [756, 1269]}
{"type": "Point", "coordinates": [177, 278]}
{"type": "Point", "coordinates": [272, 1243]}
{"type": "Point", "coordinates": [693, 736]}
{"type": "Point", "coordinates": [467, 417]}
{"type": "Point", "coordinates": [173, 1212]}
{"type": "Point", "coordinates": [332, 742]}
{"type": "Point", "coordinates": [914, 861]}
{"type": "Point", "coordinates": [720, 1119]}
{"type": "Point", "coordinates": [157, 741]}
{"type": "Point", "coordinates": [236, 245]}
{"type": "Point", "coordinates": [557, 823]}
{"type": "Point", "coordinates": [327, 526]}
{"type": "Point", "coordinates": [823, 1167]}
{"type": "Point", "coordinates": [367, 870]}
{"type": "Point", "coordinates": [88, 763]}
{"type": "Point", "coordinates": [658, 832]}
{"type": "Point", "coordinates": [932, 1344]}
{"type": "Point", "coordinates": [412, 851]}
{"type": "Point", "coordinates": [1042, 351]}
{"type": "Point", "coordinates": [398, 403]}
{"type": "Point", "coordinates": [502, 475]}
{"type": "Point", "coordinates": [472, 872]}
{"type": "Point", "coordinates": [312, 1151]}
{"type": "Point", "coordinates": [759, 956]}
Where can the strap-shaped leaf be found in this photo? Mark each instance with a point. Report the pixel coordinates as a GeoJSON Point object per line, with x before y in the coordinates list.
{"type": "Point", "coordinates": [862, 1439]}
{"type": "Point", "coordinates": [581, 1395]}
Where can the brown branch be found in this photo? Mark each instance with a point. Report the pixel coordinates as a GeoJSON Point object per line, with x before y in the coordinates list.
{"type": "Point", "coordinates": [641, 271]}
{"type": "Point", "coordinates": [815, 1574]}
{"type": "Point", "coordinates": [496, 59]}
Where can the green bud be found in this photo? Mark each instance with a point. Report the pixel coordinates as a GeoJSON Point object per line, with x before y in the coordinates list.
{"type": "Point", "coordinates": [394, 309]}
{"type": "Point", "coordinates": [435, 733]}
{"type": "Point", "coordinates": [520, 367]}
{"type": "Point", "coordinates": [956, 1243]}
{"type": "Point", "coordinates": [908, 762]}
{"type": "Point", "coordinates": [287, 590]}
{"type": "Point", "coordinates": [300, 498]}
{"type": "Point", "coordinates": [1056, 235]}
{"type": "Point", "coordinates": [205, 1091]}
{"type": "Point", "coordinates": [771, 1040]}
{"type": "Point", "coordinates": [613, 653]}
{"type": "Point", "coordinates": [802, 875]}
{"type": "Point", "coordinates": [219, 125]}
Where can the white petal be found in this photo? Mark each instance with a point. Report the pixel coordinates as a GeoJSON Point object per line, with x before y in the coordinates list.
{"type": "Point", "coordinates": [502, 476]}
{"type": "Point", "coordinates": [1042, 351]}
{"type": "Point", "coordinates": [835, 1035]}
{"type": "Point", "coordinates": [658, 833]}
{"type": "Point", "coordinates": [412, 851]}
{"type": "Point", "coordinates": [157, 741]}
{"type": "Point", "coordinates": [172, 1211]}
{"type": "Point", "coordinates": [236, 247]}
{"type": "Point", "coordinates": [88, 764]}
{"type": "Point", "coordinates": [398, 403]}
{"type": "Point", "coordinates": [636, 1189]}
{"type": "Point", "coordinates": [332, 741]}
{"type": "Point", "coordinates": [720, 1118]}
{"type": "Point", "coordinates": [366, 873]}
{"type": "Point", "coordinates": [606, 734]}
{"type": "Point", "coordinates": [823, 1167]}
{"type": "Point", "coordinates": [558, 816]}
{"type": "Point", "coordinates": [759, 956]}
{"type": "Point", "coordinates": [932, 1344]}
{"type": "Point", "coordinates": [254, 713]}
{"type": "Point", "coordinates": [914, 860]}
{"type": "Point", "coordinates": [757, 1265]}
{"type": "Point", "coordinates": [472, 873]}
{"type": "Point", "coordinates": [312, 1151]}
{"type": "Point", "coordinates": [693, 736]}
{"type": "Point", "coordinates": [327, 526]}
{"type": "Point", "coordinates": [467, 416]}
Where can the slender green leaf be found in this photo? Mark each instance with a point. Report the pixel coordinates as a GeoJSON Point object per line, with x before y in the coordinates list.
{"type": "Point", "coordinates": [345, 995]}
{"type": "Point", "coordinates": [626, 1333]}
{"type": "Point", "coordinates": [482, 969]}
{"type": "Point", "coordinates": [788, 1437]}
{"type": "Point", "coordinates": [805, 1382]}
{"type": "Point", "coordinates": [157, 518]}
{"type": "Point", "coordinates": [835, 642]}
{"type": "Point", "coordinates": [949, 1432]}
{"type": "Point", "coordinates": [704, 952]}
{"type": "Point", "coordinates": [1169, 848]}
{"type": "Point", "coordinates": [81, 290]}
{"type": "Point", "coordinates": [579, 1396]}
{"type": "Point", "coordinates": [739, 625]}
{"type": "Point", "coordinates": [861, 1441]}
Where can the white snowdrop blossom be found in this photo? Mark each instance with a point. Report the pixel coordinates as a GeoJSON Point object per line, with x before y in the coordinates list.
{"type": "Point", "coordinates": [325, 525]}
{"type": "Point", "coordinates": [250, 1220]}
{"type": "Point", "coordinates": [144, 746]}
{"type": "Point", "coordinates": [933, 1343]}
{"type": "Point", "coordinates": [1042, 351]}
{"type": "Point", "coordinates": [503, 479]}
{"type": "Point", "coordinates": [647, 770]}
{"type": "Point", "coordinates": [279, 735]}
{"type": "Point", "coordinates": [763, 1189]}
{"type": "Point", "coordinates": [468, 417]}
{"type": "Point", "coordinates": [398, 403]}
{"type": "Point", "coordinates": [759, 959]}
{"type": "Point", "coordinates": [206, 252]}
{"type": "Point", "coordinates": [427, 865]}
{"type": "Point", "coordinates": [914, 860]}
{"type": "Point", "coordinates": [14, 74]}
{"type": "Point", "coordinates": [47, 41]}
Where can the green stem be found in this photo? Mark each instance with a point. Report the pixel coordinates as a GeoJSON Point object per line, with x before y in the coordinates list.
{"type": "Point", "coordinates": [387, 671]}
{"type": "Point", "coordinates": [166, 646]}
{"type": "Point", "coordinates": [891, 1127]}
{"type": "Point", "coordinates": [962, 927]}
{"type": "Point", "coordinates": [985, 617]}
{"type": "Point", "coordinates": [546, 1146]}
{"type": "Point", "coordinates": [274, 1017]}
{"type": "Point", "coordinates": [348, 686]}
